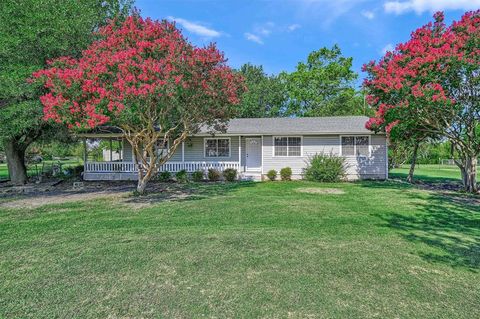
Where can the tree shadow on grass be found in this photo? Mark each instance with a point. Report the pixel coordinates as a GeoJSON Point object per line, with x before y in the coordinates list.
{"type": "Point", "coordinates": [122, 192]}
{"type": "Point", "coordinates": [186, 192]}
{"type": "Point", "coordinates": [447, 223]}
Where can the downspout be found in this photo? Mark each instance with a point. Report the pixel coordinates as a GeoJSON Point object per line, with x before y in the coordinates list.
{"type": "Point", "coordinates": [240, 153]}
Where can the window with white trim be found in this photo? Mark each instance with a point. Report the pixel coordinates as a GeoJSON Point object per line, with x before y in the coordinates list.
{"type": "Point", "coordinates": [162, 147]}
{"type": "Point", "coordinates": [217, 147]}
{"type": "Point", "coordinates": [288, 146]}
{"type": "Point", "coordinates": [356, 145]}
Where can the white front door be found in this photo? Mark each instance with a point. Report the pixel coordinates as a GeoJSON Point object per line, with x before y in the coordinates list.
{"type": "Point", "coordinates": [254, 153]}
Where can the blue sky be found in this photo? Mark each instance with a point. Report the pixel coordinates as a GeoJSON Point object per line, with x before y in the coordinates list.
{"type": "Point", "coordinates": [279, 33]}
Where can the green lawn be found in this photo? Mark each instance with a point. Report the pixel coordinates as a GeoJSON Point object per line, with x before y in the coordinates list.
{"type": "Point", "coordinates": [379, 250]}
{"type": "Point", "coordinates": [431, 173]}
{"type": "Point", "coordinates": [3, 171]}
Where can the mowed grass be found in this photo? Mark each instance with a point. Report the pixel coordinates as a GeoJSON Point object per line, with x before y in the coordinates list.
{"type": "Point", "coordinates": [3, 171]}
{"type": "Point", "coordinates": [270, 250]}
{"type": "Point", "coordinates": [431, 173]}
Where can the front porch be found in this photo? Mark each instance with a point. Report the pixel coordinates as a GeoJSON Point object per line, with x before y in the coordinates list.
{"type": "Point", "coordinates": [128, 170]}
{"type": "Point", "coordinates": [116, 161]}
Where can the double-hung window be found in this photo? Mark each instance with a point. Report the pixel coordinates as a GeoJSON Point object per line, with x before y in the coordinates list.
{"type": "Point", "coordinates": [217, 147]}
{"type": "Point", "coordinates": [355, 145]}
{"type": "Point", "coordinates": [162, 147]}
{"type": "Point", "coordinates": [288, 146]}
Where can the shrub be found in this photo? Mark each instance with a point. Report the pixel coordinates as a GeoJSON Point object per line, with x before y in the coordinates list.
{"type": "Point", "coordinates": [164, 176]}
{"type": "Point", "coordinates": [286, 174]}
{"type": "Point", "coordinates": [325, 168]}
{"type": "Point", "coordinates": [74, 171]}
{"type": "Point", "coordinates": [213, 175]}
{"type": "Point", "coordinates": [272, 174]}
{"type": "Point", "coordinates": [182, 176]}
{"type": "Point", "coordinates": [230, 174]}
{"type": "Point", "coordinates": [197, 176]}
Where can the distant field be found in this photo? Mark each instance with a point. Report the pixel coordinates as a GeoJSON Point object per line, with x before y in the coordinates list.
{"type": "Point", "coordinates": [45, 165]}
{"type": "Point", "coordinates": [430, 173]}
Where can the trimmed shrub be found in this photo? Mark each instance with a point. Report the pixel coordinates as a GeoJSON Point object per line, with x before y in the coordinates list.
{"type": "Point", "coordinates": [182, 176]}
{"type": "Point", "coordinates": [213, 175]}
{"type": "Point", "coordinates": [230, 174]}
{"type": "Point", "coordinates": [197, 176]}
{"type": "Point", "coordinates": [272, 174]}
{"type": "Point", "coordinates": [74, 171]}
{"type": "Point", "coordinates": [164, 176]}
{"type": "Point", "coordinates": [286, 174]}
{"type": "Point", "coordinates": [325, 168]}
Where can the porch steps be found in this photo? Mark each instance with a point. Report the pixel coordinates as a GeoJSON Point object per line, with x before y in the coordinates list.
{"type": "Point", "coordinates": [250, 176]}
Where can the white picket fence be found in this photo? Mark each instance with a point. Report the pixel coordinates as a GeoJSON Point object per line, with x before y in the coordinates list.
{"type": "Point", "coordinates": [128, 167]}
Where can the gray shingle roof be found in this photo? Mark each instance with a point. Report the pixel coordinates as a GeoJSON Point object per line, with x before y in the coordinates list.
{"type": "Point", "coordinates": [302, 125]}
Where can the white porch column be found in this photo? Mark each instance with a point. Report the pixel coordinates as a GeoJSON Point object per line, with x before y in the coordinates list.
{"type": "Point", "coordinates": [85, 154]}
{"type": "Point", "coordinates": [183, 151]}
{"type": "Point", "coordinates": [111, 146]}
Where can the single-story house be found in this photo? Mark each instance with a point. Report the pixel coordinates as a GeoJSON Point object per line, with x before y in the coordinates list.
{"type": "Point", "coordinates": [254, 146]}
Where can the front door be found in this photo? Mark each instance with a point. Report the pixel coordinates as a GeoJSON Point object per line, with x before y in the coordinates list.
{"type": "Point", "coordinates": [254, 153]}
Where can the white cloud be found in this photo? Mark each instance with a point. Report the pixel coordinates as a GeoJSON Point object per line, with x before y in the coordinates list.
{"type": "Point", "coordinates": [264, 29]}
{"type": "Point", "coordinates": [388, 47]}
{"type": "Point", "coordinates": [293, 27]}
{"type": "Point", "coordinates": [368, 14]}
{"type": "Point", "coordinates": [420, 6]}
{"type": "Point", "coordinates": [253, 37]}
{"type": "Point", "coordinates": [196, 28]}
{"type": "Point", "coordinates": [327, 11]}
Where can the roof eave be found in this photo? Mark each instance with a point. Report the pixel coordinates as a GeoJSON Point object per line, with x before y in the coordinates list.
{"type": "Point", "coordinates": [111, 135]}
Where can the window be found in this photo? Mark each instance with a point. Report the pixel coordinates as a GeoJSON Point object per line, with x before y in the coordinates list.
{"type": "Point", "coordinates": [348, 145]}
{"type": "Point", "coordinates": [217, 147]}
{"type": "Point", "coordinates": [355, 146]}
{"type": "Point", "coordinates": [162, 147]}
{"type": "Point", "coordinates": [287, 146]}
{"type": "Point", "coordinates": [361, 143]}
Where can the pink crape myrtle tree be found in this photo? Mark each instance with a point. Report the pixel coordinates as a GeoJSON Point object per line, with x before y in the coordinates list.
{"type": "Point", "coordinates": [143, 77]}
{"type": "Point", "coordinates": [429, 87]}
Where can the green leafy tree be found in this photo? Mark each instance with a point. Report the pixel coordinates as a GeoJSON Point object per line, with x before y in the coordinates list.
{"type": "Point", "coordinates": [324, 85]}
{"type": "Point", "coordinates": [32, 32]}
{"type": "Point", "coordinates": [265, 97]}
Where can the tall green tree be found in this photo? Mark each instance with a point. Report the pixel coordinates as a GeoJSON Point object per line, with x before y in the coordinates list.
{"type": "Point", "coordinates": [324, 85]}
{"type": "Point", "coordinates": [32, 32]}
{"type": "Point", "coordinates": [265, 97]}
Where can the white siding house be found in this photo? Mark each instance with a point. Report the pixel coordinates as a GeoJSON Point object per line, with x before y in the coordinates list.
{"type": "Point", "coordinates": [255, 146]}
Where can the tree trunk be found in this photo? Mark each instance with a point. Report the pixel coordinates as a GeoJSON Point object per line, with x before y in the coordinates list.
{"type": "Point", "coordinates": [144, 178]}
{"type": "Point", "coordinates": [145, 173]}
{"type": "Point", "coordinates": [141, 185]}
{"type": "Point", "coordinates": [470, 175]}
{"type": "Point", "coordinates": [463, 171]}
{"type": "Point", "coordinates": [146, 157]}
{"type": "Point", "coordinates": [16, 162]}
{"type": "Point", "coordinates": [414, 162]}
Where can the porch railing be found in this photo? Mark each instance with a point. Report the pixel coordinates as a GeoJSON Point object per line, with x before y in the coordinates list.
{"type": "Point", "coordinates": [110, 167]}
{"type": "Point", "coordinates": [128, 167]}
